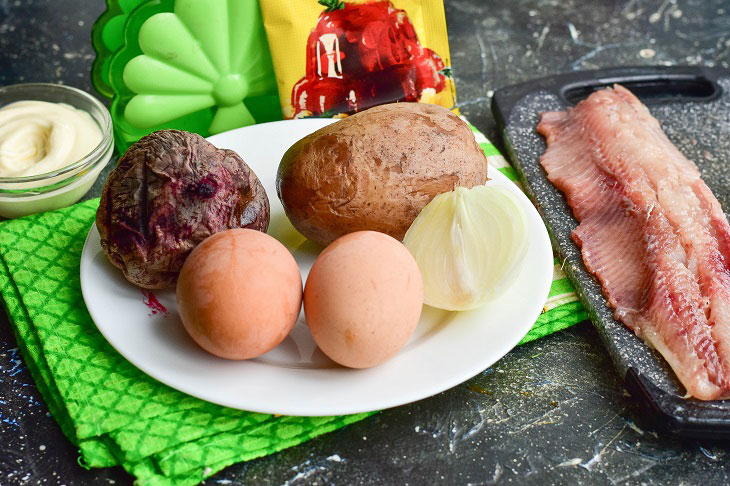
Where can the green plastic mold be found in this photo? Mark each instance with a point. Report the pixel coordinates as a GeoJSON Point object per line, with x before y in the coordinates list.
{"type": "Point", "coordinates": [197, 65]}
{"type": "Point", "coordinates": [107, 37]}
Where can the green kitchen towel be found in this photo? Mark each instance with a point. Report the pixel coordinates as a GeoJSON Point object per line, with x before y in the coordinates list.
{"type": "Point", "coordinates": [113, 412]}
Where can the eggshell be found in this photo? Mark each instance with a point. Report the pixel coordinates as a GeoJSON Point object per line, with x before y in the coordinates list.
{"type": "Point", "coordinates": [363, 298]}
{"type": "Point", "coordinates": [239, 293]}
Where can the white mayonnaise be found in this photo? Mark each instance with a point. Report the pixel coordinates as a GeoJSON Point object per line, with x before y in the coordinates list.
{"type": "Point", "coordinates": [38, 137]}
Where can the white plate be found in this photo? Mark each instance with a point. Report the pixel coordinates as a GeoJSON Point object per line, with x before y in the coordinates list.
{"type": "Point", "coordinates": [296, 378]}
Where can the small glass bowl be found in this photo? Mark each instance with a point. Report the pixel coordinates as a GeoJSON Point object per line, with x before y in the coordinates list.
{"type": "Point", "coordinates": [20, 196]}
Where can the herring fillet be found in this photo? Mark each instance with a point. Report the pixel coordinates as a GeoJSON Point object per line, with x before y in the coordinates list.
{"type": "Point", "coordinates": [650, 230]}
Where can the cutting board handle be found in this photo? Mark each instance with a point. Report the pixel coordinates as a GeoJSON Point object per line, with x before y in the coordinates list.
{"type": "Point", "coordinates": [652, 84]}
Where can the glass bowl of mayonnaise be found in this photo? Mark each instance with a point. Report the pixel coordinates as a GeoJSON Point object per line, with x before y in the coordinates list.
{"type": "Point", "coordinates": [54, 142]}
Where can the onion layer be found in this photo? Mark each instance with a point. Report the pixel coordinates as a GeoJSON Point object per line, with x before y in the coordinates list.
{"type": "Point", "coordinates": [469, 245]}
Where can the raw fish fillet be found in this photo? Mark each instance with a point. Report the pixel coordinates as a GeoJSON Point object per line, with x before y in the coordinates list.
{"type": "Point", "coordinates": [650, 230]}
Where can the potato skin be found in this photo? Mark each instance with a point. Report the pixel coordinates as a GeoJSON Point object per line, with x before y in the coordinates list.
{"type": "Point", "coordinates": [376, 170]}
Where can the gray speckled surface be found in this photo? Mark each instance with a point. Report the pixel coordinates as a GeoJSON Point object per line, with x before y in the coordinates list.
{"type": "Point", "coordinates": [701, 131]}
{"type": "Point", "coordinates": [502, 42]}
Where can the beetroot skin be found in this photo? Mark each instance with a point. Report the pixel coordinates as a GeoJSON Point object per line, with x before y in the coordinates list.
{"type": "Point", "coordinates": [170, 191]}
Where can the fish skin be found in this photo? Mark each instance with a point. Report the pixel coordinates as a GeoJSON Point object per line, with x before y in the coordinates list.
{"type": "Point", "coordinates": [626, 182]}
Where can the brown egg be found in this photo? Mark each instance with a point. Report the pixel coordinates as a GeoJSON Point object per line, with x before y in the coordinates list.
{"type": "Point", "coordinates": [239, 293]}
{"type": "Point", "coordinates": [363, 298]}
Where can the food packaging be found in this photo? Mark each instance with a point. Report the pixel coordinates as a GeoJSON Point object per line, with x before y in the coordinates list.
{"type": "Point", "coordinates": [333, 58]}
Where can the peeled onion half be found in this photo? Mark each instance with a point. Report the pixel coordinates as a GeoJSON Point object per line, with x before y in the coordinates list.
{"type": "Point", "coordinates": [469, 245]}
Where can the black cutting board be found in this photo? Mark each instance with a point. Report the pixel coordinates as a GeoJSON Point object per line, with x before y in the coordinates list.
{"type": "Point", "coordinates": [693, 106]}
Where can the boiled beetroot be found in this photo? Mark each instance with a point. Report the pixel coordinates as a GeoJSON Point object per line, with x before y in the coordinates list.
{"type": "Point", "coordinates": [170, 191]}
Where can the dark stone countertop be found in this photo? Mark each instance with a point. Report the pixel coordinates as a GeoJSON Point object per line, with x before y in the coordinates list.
{"type": "Point", "coordinates": [553, 411]}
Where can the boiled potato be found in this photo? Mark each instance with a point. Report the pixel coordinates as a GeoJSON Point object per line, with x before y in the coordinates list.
{"type": "Point", "coordinates": [376, 170]}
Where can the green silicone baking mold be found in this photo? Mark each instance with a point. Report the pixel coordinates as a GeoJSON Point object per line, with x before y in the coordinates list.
{"type": "Point", "coordinates": [107, 37]}
{"type": "Point", "coordinates": [197, 65]}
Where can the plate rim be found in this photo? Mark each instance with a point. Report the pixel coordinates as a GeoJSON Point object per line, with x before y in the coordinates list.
{"type": "Point", "coordinates": [466, 373]}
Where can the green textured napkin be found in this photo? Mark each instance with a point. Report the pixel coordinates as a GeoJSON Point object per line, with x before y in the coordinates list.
{"type": "Point", "coordinates": [113, 412]}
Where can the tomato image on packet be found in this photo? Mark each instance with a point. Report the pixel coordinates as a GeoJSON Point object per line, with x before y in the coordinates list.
{"type": "Point", "coordinates": [356, 54]}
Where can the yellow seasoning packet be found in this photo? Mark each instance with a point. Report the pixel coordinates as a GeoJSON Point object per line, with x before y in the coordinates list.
{"type": "Point", "coordinates": [333, 58]}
